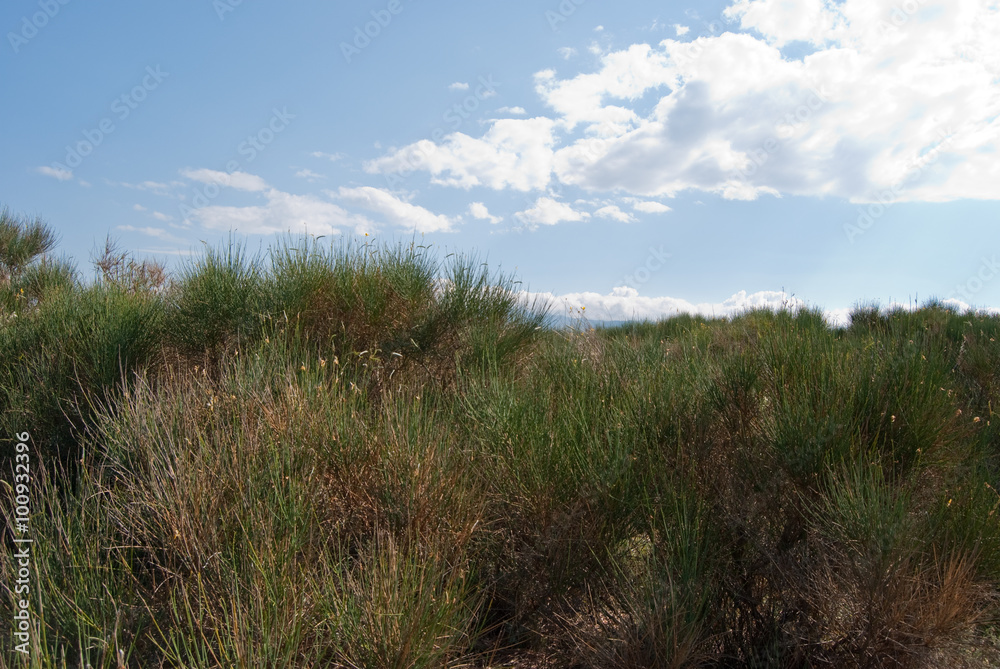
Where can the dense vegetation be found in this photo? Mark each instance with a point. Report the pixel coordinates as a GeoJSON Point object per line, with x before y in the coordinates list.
{"type": "Point", "coordinates": [362, 456]}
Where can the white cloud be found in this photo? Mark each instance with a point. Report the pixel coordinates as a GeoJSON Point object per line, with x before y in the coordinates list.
{"type": "Point", "coordinates": [514, 153]}
{"type": "Point", "coordinates": [850, 120]}
{"type": "Point", "coordinates": [624, 75]}
{"type": "Point", "coordinates": [155, 187]}
{"type": "Point", "coordinates": [237, 180]}
{"type": "Point", "coordinates": [309, 175]}
{"type": "Point", "coordinates": [171, 252]}
{"type": "Point", "coordinates": [55, 172]}
{"type": "Point", "coordinates": [613, 212]}
{"type": "Point", "coordinates": [138, 207]}
{"type": "Point", "coordinates": [784, 21]}
{"type": "Point", "coordinates": [283, 212]}
{"type": "Point", "coordinates": [625, 303]}
{"type": "Point", "coordinates": [889, 98]}
{"type": "Point", "coordinates": [566, 52]}
{"type": "Point", "coordinates": [547, 211]}
{"type": "Point", "coordinates": [158, 233]}
{"type": "Point", "coordinates": [394, 210]}
{"type": "Point", "coordinates": [458, 86]}
{"type": "Point", "coordinates": [650, 207]}
{"type": "Point", "coordinates": [515, 111]}
{"type": "Point", "coordinates": [479, 210]}
{"type": "Point", "coordinates": [681, 30]}
{"type": "Point", "coordinates": [330, 156]}
{"type": "Point", "coordinates": [160, 216]}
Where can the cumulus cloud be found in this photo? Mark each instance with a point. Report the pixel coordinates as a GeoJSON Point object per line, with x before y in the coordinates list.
{"type": "Point", "coordinates": [55, 172]}
{"type": "Point", "coordinates": [681, 30]}
{"type": "Point", "coordinates": [624, 75]}
{"type": "Point", "coordinates": [782, 21]}
{"type": "Point", "coordinates": [890, 97]}
{"type": "Point", "coordinates": [394, 210]}
{"type": "Point", "coordinates": [514, 111]}
{"type": "Point", "coordinates": [514, 153]}
{"type": "Point", "coordinates": [479, 210]}
{"type": "Point", "coordinates": [615, 213]}
{"type": "Point", "coordinates": [649, 207]}
{"type": "Point", "coordinates": [458, 86]}
{"type": "Point", "coordinates": [547, 211]}
{"type": "Point", "coordinates": [566, 52]}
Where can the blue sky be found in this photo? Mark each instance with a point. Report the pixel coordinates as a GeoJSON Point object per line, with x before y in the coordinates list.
{"type": "Point", "coordinates": [635, 158]}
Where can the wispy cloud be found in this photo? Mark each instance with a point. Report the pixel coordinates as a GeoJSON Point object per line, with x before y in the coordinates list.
{"type": "Point", "coordinates": [329, 156]}
{"type": "Point", "coordinates": [156, 233]}
{"type": "Point", "coordinates": [309, 175]}
{"type": "Point", "coordinates": [237, 180]}
{"type": "Point", "coordinates": [55, 172]}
